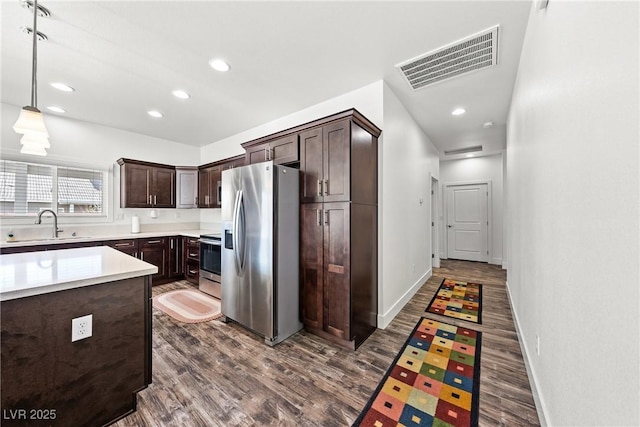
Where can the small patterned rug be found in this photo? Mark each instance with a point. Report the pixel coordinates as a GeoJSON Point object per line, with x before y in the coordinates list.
{"type": "Point", "coordinates": [433, 381]}
{"type": "Point", "coordinates": [460, 300]}
{"type": "Point", "coordinates": [188, 305]}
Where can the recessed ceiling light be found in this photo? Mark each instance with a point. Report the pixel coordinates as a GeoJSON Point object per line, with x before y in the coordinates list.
{"type": "Point", "coordinates": [181, 94]}
{"type": "Point", "coordinates": [487, 125]}
{"type": "Point", "coordinates": [63, 87]}
{"type": "Point", "coordinates": [154, 113]}
{"type": "Point", "coordinates": [56, 109]}
{"type": "Point", "coordinates": [219, 65]}
{"type": "Point", "coordinates": [470, 155]}
{"type": "Point", "coordinates": [458, 111]}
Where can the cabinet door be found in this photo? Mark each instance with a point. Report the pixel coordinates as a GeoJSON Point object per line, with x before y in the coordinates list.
{"type": "Point", "coordinates": [337, 291]}
{"type": "Point", "coordinates": [311, 165]}
{"type": "Point", "coordinates": [257, 154]}
{"type": "Point", "coordinates": [284, 150]}
{"type": "Point", "coordinates": [215, 178]}
{"type": "Point", "coordinates": [175, 265]}
{"type": "Point", "coordinates": [154, 251]}
{"type": "Point", "coordinates": [186, 188]}
{"type": "Point", "coordinates": [337, 161]}
{"type": "Point", "coordinates": [203, 188]}
{"type": "Point", "coordinates": [136, 190]}
{"type": "Point", "coordinates": [311, 265]}
{"type": "Point", "coordinates": [164, 188]}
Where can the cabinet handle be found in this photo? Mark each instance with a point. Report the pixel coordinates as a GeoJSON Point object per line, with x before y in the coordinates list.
{"type": "Point", "coordinates": [319, 188]}
{"type": "Point", "coordinates": [119, 245]}
{"type": "Point", "coordinates": [142, 256]}
{"type": "Point", "coordinates": [192, 255]}
{"type": "Point", "coordinates": [319, 217]}
{"type": "Point", "coordinates": [326, 217]}
{"type": "Point", "coordinates": [155, 200]}
{"type": "Point", "coordinates": [150, 199]}
{"type": "Point", "coordinates": [154, 241]}
{"type": "Point", "coordinates": [192, 272]}
{"type": "Point", "coordinates": [171, 243]}
{"type": "Point", "coordinates": [326, 187]}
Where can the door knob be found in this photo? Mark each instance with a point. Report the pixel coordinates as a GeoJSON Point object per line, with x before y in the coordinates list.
{"type": "Point", "coordinates": [450, 226]}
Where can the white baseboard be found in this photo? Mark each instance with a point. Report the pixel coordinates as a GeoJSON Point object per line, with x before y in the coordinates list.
{"type": "Point", "coordinates": [496, 261]}
{"type": "Point", "coordinates": [505, 265]}
{"type": "Point", "coordinates": [386, 318]}
{"type": "Point", "coordinates": [541, 408]}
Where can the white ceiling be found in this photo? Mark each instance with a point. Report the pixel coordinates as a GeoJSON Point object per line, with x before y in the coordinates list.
{"type": "Point", "coordinates": [125, 57]}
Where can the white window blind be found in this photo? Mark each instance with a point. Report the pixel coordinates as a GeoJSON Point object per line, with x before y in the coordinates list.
{"type": "Point", "coordinates": [27, 188]}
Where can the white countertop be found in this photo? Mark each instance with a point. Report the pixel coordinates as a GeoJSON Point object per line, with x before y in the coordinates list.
{"type": "Point", "coordinates": [118, 236]}
{"type": "Point", "coordinates": [36, 273]}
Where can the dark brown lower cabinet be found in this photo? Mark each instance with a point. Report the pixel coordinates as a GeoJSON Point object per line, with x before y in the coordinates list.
{"type": "Point", "coordinates": [47, 380]}
{"type": "Point", "coordinates": [339, 265]}
{"type": "Point", "coordinates": [192, 259]}
{"type": "Point", "coordinates": [176, 260]}
{"type": "Point", "coordinates": [156, 251]}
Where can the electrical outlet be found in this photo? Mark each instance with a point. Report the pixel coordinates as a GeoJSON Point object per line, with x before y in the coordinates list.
{"type": "Point", "coordinates": [81, 327]}
{"type": "Point", "coordinates": [538, 344]}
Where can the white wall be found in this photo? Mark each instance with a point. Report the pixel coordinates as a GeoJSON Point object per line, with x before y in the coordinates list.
{"type": "Point", "coordinates": [407, 160]}
{"type": "Point", "coordinates": [487, 168]}
{"type": "Point", "coordinates": [75, 142]}
{"type": "Point", "coordinates": [573, 205]}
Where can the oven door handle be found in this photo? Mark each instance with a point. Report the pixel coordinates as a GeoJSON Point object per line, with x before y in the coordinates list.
{"type": "Point", "coordinates": [210, 242]}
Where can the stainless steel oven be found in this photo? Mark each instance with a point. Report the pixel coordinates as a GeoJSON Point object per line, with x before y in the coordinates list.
{"type": "Point", "coordinates": [210, 264]}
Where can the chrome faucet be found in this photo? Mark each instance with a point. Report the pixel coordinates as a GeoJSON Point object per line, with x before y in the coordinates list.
{"type": "Point", "coordinates": [56, 230]}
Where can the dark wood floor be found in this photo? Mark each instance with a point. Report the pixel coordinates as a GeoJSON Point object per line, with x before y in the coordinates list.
{"type": "Point", "coordinates": [216, 374]}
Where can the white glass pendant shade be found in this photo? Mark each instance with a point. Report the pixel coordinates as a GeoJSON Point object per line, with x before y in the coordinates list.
{"type": "Point", "coordinates": [31, 138]}
{"type": "Point", "coordinates": [35, 149]}
{"type": "Point", "coordinates": [30, 121]}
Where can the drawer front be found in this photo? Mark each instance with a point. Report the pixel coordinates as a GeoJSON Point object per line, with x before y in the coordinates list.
{"type": "Point", "coordinates": [193, 251]}
{"type": "Point", "coordinates": [192, 271]}
{"type": "Point", "coordinates": [153, 242]}
{"type": "Point", "coordinates": [123, 244]}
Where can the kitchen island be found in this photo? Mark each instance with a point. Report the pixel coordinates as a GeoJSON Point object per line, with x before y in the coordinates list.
{"type": "Point", "coordinates": [48, 379]}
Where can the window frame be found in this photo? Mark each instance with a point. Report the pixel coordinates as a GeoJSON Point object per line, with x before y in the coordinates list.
{"type": "Point", "coordinates": [77, 218]}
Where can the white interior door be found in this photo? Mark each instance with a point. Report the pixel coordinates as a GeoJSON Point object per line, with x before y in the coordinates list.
{"type": "Point", "coordinates": [467, 222]}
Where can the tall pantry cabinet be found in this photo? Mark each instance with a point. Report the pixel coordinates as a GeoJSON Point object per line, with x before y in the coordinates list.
{"type": "Point", "coordinates": [338, 228]}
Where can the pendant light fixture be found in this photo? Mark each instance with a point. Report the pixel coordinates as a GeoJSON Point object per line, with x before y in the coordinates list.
{"type": "Point", "coordinates": [35, 139]}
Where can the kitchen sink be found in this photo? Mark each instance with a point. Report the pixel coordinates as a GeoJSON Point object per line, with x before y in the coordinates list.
{"type": "Point", "coordinates": [51, 239]}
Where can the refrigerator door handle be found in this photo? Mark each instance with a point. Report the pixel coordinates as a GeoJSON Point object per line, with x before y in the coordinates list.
{"type": "Point", "coordinates": [236, 209]}
{"type": "Point", "coordinates": [241, 230]}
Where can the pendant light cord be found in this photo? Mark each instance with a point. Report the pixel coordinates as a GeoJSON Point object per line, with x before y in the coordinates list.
{"type": "Point", "coordinates": [34, 64]}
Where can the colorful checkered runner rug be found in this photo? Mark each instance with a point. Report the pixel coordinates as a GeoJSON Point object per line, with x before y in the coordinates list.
{"type": "Point", "coordinates": [433, 381]}
{"type": "Point", "coordinates": [460, 300]}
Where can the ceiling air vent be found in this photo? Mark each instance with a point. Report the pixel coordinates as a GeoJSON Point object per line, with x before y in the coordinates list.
{"type": "Point", "coordinates": [469, 54]}
{"type": "Point", "coordinates": [463, 150]}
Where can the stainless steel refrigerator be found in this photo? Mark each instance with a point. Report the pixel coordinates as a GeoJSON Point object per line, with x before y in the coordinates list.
{"type": "Point", "coordinates": [260, 285]}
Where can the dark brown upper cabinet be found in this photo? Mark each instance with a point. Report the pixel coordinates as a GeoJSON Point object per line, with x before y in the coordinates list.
{"type": "Point", "coordinates": [282, 150]}
{"type": "Point", "coordinates": [209, 186]}
{"type": "Point", "coordinates": [325, 158]}
{"type": "Point", "coordinates": [339, 161]}
{"type": "Point", "coordinates": [146, 185]}
{"type": "Point", "coordinates": [210, 180]}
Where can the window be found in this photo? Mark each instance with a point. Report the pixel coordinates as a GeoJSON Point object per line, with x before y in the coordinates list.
{"type": "Point", "coordinates": [28, 188]}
